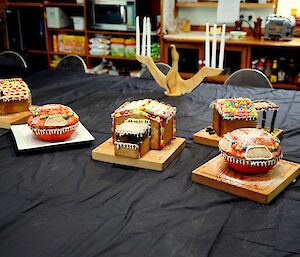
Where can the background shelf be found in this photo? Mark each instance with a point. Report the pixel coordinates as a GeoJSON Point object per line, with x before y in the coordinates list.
{"type": "Point", "coordinates": [214, 5]}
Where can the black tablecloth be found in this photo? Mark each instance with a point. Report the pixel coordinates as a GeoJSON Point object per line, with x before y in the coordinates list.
{"type": "Point", "coordinates": [59, 202]}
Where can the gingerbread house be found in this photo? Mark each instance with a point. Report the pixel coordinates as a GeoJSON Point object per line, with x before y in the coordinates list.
{"type": "Point", "coordinates": [233, 113]}
{"type": "Point", "coordinates": [14, 96]}
{"type": "Point", "coordinates": [161, 118]}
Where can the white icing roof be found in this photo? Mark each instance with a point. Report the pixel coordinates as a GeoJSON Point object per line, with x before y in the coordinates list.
{"type": "Point", "coordinates": [13, 90]}
{"type": "Point", "coordinates": [132, 128]}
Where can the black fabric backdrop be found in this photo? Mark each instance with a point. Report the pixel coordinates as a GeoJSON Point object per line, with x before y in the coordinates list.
{"type": "Point", "coordinates": [59, 202]}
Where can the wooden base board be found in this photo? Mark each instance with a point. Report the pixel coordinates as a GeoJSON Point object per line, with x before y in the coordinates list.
{"type": "Point", "coordinates": [153, 160]}
{"type": "Point", "coordinates": [204, 138]}
{"type": "Point", "coordinates": [262, 188]}
{"type": "Point", "coordinates": [13, 119]}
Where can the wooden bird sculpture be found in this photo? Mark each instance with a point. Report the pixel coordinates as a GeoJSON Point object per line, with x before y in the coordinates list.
{"type": "Point", "coordinates": [172, 82]}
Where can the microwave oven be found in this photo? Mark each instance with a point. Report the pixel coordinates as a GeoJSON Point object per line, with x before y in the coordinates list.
{"type": "Point", "coordinates": [113, 14]}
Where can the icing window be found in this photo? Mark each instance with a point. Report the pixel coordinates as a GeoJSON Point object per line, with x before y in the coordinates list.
{"type": "Point", "coordinates": [258, 153]}
{"type": "Point", "coordinates": [225, 144]}
{"type": "Point", "coordinates": [55, 121]}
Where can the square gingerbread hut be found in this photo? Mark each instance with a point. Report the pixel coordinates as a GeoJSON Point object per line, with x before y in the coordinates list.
{"type": "Point", "coordinates": [161, 116]}
{"type": "Point", "coordinates": [233, 113]}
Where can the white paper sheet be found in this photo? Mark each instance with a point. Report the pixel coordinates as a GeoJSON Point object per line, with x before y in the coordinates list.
{"type": "Point", "coordinates": [26, 140]}
{"type": "Point", "coordinates": [228, 11]}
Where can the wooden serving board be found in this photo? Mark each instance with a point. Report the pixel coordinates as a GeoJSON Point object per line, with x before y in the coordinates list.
{"type": "Point", "coordinates": [13, 119]}
{"type": "Point", "coordinates": [204, 138]}
{"type": "Point", "coordinates": [262, 188]}
{"type": "Point", "coordinates": [153, 160]}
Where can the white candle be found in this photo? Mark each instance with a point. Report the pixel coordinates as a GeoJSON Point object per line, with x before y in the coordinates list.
{"type": "Point", "coordinates": [137, 36]}
{"type": "Point", "coordinates": [207, 43]}
{"type": "Point", "coordinates": [214, 47]}
{"type": "Point", "coordinates": [222, 47]}
{"type": "Point", "coordinates": [148, 37]}
{"type": "Point", "coordinates": [144, 37]}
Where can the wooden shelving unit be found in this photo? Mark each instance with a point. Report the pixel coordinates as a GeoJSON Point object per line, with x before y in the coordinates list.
{"type": "Point", "coordinates": [78, 9]}
{"type": "Point", "coordinates": [66, 30]}
{"type": "Point", "coordinates": [24, 4]}
{"type": "Point", "coordinates": [36, 51]}
{"type": "Point", "coordinates": [63, 53]}
{"type": "Point", "coordinates": [215, 4]}
{"type": "Point", "coordinates": [287, 86]}
{"type": "Point", "coordinates": [54, 4]}
{"type": "Point", "coordinates": [112, 57]}
{"type": "Point", "coordinates": [50, 32]}
{"type": "Point", "coordinates": [117, 33]}
{"type": "Point", "coordinates": [244, 48]}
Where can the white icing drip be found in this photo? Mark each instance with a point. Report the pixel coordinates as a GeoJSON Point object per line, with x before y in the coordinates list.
{"type": "Point", "coordinates": [9, 99]}
{"type": "Point", "coordinates": [127, 146]}
{"type": "Point", "coordinates": [56, 131]}
{"type": "Point", "coordinates": [251, 162]}
{"type": "Point", "coordinates": [137, 120]}
{"type": "Point", "coordinates": [132, 128]}
{"type": "Point", "coordinates": [239, 118]}
{"type": "Point", "coordinates": [267, 109]}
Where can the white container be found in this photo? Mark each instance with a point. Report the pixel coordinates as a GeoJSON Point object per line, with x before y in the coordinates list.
{"type": "Point", "coordinates": [238, 35]}
{"type": "Point", "coordinates": [78, 22]}
{"type": "Point", "coordinates": [56, 18]}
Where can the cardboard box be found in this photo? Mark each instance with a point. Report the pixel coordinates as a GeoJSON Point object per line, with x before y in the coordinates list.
{"type": "Point", "coordinates": [73, 44]}
{"type": "Point", "coordinates": [56, 18]}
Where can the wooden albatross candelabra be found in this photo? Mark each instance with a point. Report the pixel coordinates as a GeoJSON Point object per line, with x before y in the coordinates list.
{"type": "Point", "coordinates": [173, 84]}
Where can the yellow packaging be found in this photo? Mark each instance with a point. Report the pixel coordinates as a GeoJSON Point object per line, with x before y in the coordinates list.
{"type": "Point", "coordinates": [117, 40]}
{"type": "Point", "coordinates": [74, 44]}
{"type": "Point", "coordinates": [55, 45]}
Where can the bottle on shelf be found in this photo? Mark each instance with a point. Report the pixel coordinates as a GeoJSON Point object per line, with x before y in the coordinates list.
{"type": "Point", "coordinates": [260, 65]}
{"type": "Point", "coordinates": [274, 72]}
{"type": "Point", "coordinates": [268, 68]}
{"type": "Point", "coordinates": [290, 75]}
{"type": "Point", "coordinates": [281, 68]}
{"type": "Point", "coordinates": [297, 79]}
{"type": "Point", "coordinates": [254, 64]}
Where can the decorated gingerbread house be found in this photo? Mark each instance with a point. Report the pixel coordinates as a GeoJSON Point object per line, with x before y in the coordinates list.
{"type": "Point", "coordinates": [14, 96]}
{"type": "Point", "coordinates": [159, 116]}
{"type": "Point", "coordinates": [233, 113]}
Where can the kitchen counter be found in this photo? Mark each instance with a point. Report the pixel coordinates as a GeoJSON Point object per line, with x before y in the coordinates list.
{"type": "Point", "coordinates": [199, 37]}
